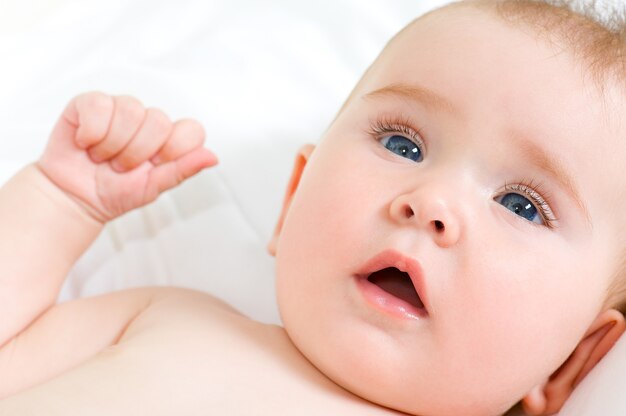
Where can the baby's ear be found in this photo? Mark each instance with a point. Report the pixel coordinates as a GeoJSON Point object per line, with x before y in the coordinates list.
{"type": "Point", "coordinates": [549, 397]}
{"type": "Point", "coordinates": [301, 160]}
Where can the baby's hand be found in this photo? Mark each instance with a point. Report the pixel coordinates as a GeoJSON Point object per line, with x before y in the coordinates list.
{"type": "Point", "coordinates": [110, 154]}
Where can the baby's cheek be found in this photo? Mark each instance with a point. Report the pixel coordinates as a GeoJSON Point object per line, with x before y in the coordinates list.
{"type": "Point", "coordinates": [322, 233]}
{"type": "Point", "coordinates": [529, 312]}
{"type": "Point", "coordinates": [333, 208]}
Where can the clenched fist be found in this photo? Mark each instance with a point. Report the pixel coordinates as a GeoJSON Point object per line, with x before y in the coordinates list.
{"type": "Point", "coordinates": [111, 154]}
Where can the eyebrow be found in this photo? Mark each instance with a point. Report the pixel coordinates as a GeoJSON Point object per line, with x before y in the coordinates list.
{"type": "Point", "coordinates": [553, 166]}
{"type": "Point", "coordinates": [549, 163]}
{"type": "Point", "coordinates": [415, 93]}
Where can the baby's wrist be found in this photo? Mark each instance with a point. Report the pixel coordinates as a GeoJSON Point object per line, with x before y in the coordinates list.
{"type": "Point", "coordinates": [66, 203]}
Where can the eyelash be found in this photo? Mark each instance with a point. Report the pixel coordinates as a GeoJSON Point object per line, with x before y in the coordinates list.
{"type": "Point", "coordinates": [529, 188]}
{"type": "Point", "coordinates": [388, 126]}
{"type": "Point", "coordinates": [534, 191]}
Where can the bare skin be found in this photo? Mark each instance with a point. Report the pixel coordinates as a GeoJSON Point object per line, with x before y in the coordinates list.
{"type": "Point", "coordinates": [190, 350]}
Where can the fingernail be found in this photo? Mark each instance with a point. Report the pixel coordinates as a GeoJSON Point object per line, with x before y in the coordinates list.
{"type": "Point", "coordinates": [95, 158]}
{"type": "Point", "coordinates": [117, 166]}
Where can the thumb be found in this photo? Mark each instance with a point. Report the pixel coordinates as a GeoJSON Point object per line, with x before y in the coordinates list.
{"type": "Point", "coordinates": [171, 174]}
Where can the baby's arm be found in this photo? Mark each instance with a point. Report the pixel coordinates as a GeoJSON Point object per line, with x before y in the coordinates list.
{"type": "Point", "coordinates": [43, 233]}
{"type": "Point", "coordinates": [106, 156]}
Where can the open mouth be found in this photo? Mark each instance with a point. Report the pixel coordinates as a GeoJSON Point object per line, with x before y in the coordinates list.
{"type": "Point", "coordinates": [393, 283]}
{"type": "Point", "coordinates": [397, 283]}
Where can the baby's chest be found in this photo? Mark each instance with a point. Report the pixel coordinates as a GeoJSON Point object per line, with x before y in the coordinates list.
{"type": "Point", "coordinates": [195, 360]}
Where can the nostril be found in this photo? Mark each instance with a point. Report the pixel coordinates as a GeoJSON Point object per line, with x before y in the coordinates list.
{"type": "Point", "coordinates": [408, 212]}
{"type": "Point", "coordinates": [439, 225]}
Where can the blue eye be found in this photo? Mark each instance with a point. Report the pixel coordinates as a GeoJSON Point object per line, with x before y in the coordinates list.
{"type": "Point", "coordinates": [521, 206]}
{"type": "Point", "coordinates": [402, 146]}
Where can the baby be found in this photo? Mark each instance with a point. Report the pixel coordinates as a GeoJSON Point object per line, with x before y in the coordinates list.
{"type": "Point", "coordinates": [452, 246]}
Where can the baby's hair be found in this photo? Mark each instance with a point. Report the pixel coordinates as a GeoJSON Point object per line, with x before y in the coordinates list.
{"type": "Point", "coordinates": [594, 32]}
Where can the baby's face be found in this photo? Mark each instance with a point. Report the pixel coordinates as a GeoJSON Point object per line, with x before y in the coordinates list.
{"type": "Point", "coordinates": [477, 159]}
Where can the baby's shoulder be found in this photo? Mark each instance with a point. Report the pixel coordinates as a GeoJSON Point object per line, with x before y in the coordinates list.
{"type": "Point", "coordinates": [179, 318]}
{"type": "Point", "coordinates": [182, 310]}
{"type": "Point", "coordinates": [182, 300]}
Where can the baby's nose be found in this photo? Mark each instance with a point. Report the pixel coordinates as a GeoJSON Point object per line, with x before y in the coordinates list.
{"type": "Point", "coordinates": [430, 213]}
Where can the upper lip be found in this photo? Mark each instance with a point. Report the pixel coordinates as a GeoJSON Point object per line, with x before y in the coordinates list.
{"type": "Point", "coordinates": [407, 264]}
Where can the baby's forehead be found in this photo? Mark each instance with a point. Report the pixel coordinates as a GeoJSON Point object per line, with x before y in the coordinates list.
{"type": "Point", "coordinates": [595, 50]}
{"type": "Point", "coordinates": [594, 37]}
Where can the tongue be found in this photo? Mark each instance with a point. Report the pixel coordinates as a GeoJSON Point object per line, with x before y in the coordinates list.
{"type": "Point", "coordinates": [398, 284]}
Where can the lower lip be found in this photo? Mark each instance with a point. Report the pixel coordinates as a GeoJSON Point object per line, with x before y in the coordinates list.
{"type": "Point", "coordinates": [386, 302]}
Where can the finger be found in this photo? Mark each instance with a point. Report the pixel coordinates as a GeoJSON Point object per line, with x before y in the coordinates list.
{"type": "Point", "coordinates": [168, 175]}
{"type": "Point", "coordinates": [128, 116]}
{"type": "Point", "coordinates": [150, 137]}
{"type": "Point", "coordinates": [186, 135]}
{"type": "Point", "coordinates": [91, 114]}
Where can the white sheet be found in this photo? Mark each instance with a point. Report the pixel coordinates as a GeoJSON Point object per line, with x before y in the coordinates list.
{"type": "Point", "coordinates": [263, 77]}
